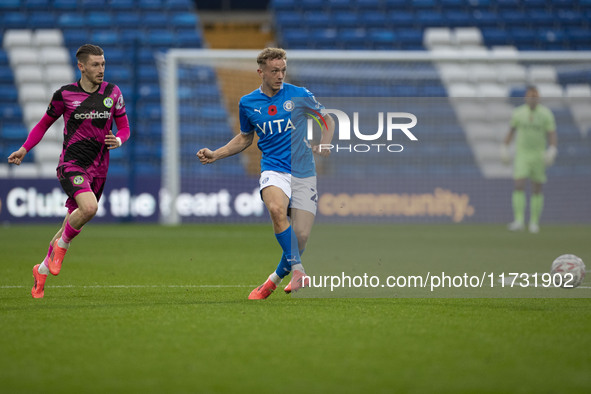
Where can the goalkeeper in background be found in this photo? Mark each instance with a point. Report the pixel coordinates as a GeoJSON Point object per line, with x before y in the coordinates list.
{"type": "Point", "coordinates": [534, 129]}
{"type": "Point", "coordinates": [288, 173]}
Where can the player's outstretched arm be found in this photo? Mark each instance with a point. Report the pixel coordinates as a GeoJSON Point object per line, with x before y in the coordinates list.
{"type": "Point", "coordinates": [18, 156]}
{"type": "Point", "coordinates": [326, 138]}
{"type": "Point", "coordinates": [236, 145]}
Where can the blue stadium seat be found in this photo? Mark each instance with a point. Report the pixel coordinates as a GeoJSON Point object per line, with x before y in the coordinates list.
{"type": "Point", "coordinates": [37, 5]}
{"type": "Point", "coordinates": [513, 18]}
{"type": "Point", "coordinates": [14, 20]}
{"type": "Point", "coordinates": [494, 36]}
{"type": "Point", "coordinates": [426, 4]}
{"type": "Point", "coordinates": [410, 38]}
{"type": "Point", "coordinates": [339, 5]}
{"type": "Point", "coordinates": [347, 19]}
{"type": "Point", "coordinates": [150, 4]}
{"type": "Point", "coordinates": [284, 5]}
{"type": "Point", "coordinates": [11, 111]}
{"type": "Point", "coordinates": [122, 5]}
{"type": "Point", "coordinates": [541, 18]}
{"type": "Point", "coordinates": [119, 73]}
{"type": "Point", "coordinates": [456, 18]}
{"type": "Point", "coordinates": [311, 5]}
{"type": "Point", "coordinates": [159, 38]}
{"type": "Point", "coordinates": [179, 5]}
{"type": "Point", "coordinates": [352, 38]}
{"type": "Point", "coordinates": [42, 20]}
{"type": "Point", "coordinates": [8, 93]}
{"type": "Point", "coordinates": [70, 5]}
{"type": "Point", "coordinates": [376, 19]}
{"type": "Point", "coordinates": [429, 18]}
{"type": "Point", "coordinates": [294, 38]}
{"type": "Point", "coordinates": [71, 20]}
{"type": "Point", "coordinates": [93, 5]}
{"type": "Point", "coordinates": [368, 5]}
{"type": "Point", "coordinates": [289, 19]}
{"type": "Point", "coordinates": [185, 19]}
{"type": "Point", "coordinates": [155, 20]}
{"type": "Point", "coordinates": [99, 20]}
{"type": "Point", "coordinates": [188, 39]}
{"type": "Point", "coordinates": [316, 20]}
{"type": "Point", "coordinates": [10, 5]}
{"type": "Point", "coordinates": [485, 18]}
{"type": "Point", "coordinates": [402, 18]}
{"type": "Point", "coordinates": [105, 37]}
{"type": "Point", "coordinates": [127, 20]}
{"type": "Point", "coordinates": [148, 73]}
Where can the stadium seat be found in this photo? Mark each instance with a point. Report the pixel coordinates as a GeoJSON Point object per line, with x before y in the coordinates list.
{"type": "Point", "coordinates": [542, 74]}
{"type": "Point", "coordinates": [578, 91]}
{"type": "Point", "coordinates": [185, 19]}
{"type": "Point", "coordinates": [400, 19]}
{"type": "Point", "coordinates": [179, 5]}
{"type": "Point", "coordinates": [8, 93]}
{"type": "Point", "coordinates": [42, 20]}
{"type": "Point", "coordinates": [71, 20]}
{"type": "Point", "coordinates": [59, 75]}
{"type": "Point", "coordinates": [28, 73]}
{"type": "Point", "coordinates": [19, 56]}
{"type": "Point", "coordinates": [105, 37]}
{"type": "Point", "coordinates": [96, 20]}
{"type": "Point", "coordinates": [54, 55]}
{"type": "Point", "coordinates": [70, 5]}
{"type": "Point", "coordinates": [437, 36]}
{"type": "Point", "coordinates": [33, 92]}
{"type": "Point", "coordinates": [345, 19]}
{"type": "Point", "coordinates": [188, 39]}
{"type": "Point", "coordinates": [48, 37]}
{"type": "Point", "coordinates": [467, 36]}
{"type": "Point", "coordinates": [17, 38]}
{"type": "Point", "coordinates": [155, 20]}
{"type": "Point", "coordinates": [122, 5]}
{"type": "Point", "coordinates": [150, 4]}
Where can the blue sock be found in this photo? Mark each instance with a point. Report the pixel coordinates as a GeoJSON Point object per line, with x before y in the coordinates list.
{"type": "Point", "coordinates": [289, 244]}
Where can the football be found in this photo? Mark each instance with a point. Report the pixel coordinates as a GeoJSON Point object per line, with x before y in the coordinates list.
{"type": "Point", "coordinates": [568, 271]}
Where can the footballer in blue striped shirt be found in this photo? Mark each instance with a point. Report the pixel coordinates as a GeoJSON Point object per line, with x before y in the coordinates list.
{"type": "Point", "coordinates": [288, 170]}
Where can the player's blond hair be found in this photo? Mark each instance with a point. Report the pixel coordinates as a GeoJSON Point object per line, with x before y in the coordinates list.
{"type": "Point", "coordinates": [270, 54]}
{"type": "Point", "coordinates": [86, 50]}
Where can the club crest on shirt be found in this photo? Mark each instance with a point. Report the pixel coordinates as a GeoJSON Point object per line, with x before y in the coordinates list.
{"type": "Point", "coordinates": [78, 180]}
{"type": "Point", "coordinates": [108, 102]}
{"type": "Point", "coordinates": [288, 105]}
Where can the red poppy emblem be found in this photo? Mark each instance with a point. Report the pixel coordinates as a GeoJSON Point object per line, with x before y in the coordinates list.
{"type": "Point", "coordinates": [272, 110]}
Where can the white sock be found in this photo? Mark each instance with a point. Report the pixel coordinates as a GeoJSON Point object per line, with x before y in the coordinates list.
{"type": "Point", "coordinates": [275, 278]}
{"type": "Point", "coordinates": [298, 267]}
{"type": "Point", "coordinates": [62, 244]}
{"type": "Point", "coordinates": [43, 270]}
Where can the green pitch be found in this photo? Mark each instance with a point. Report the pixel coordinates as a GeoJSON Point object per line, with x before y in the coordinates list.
{"type": "Point", "coordinates": [150, 309]}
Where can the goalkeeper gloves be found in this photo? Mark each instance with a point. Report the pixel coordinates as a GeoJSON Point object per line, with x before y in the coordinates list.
{"type": "Point", "coordinates": [550, 155]}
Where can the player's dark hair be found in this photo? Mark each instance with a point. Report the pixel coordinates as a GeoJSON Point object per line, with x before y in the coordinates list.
{"type": "Point", "coordinates": [270, 54]}
{"type": "Point", "coordinates": [531, 87]}
{"type": "Point", "coordinates": [86, 50]}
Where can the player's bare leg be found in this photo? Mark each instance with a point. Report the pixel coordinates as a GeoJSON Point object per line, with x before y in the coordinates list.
{"type": "Point", "coordinates": [518, 203]}
{"type": "Point", "coordinates": [302, 222]}
{"type": "Point", "coordinates": [536, 205]}
{"type": "Point", "coordinates": [277, 203]}
{"type": "Point", "coordinates": [87, 208]}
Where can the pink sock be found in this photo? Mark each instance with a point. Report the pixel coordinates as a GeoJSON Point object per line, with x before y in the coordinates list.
{"type": "Point", "coordinates": [69, 233]}
{"type": "Point", "coordinates": [45, 262]}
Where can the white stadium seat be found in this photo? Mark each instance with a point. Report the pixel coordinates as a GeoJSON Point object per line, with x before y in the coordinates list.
{"type": "Point", "coordinates": [17, 38]}
{"type": "Point", "coordinates": [55, 55]}
{"type": "Point", "coordinates": [437, 36]}
{"type": "Point", "coordinates": [28, 73]}
{"type": "Point", "coordinates": [19, 56]}
{"type": "Point", "coordinates": [542, 74]}
{"type": "Point", "coordinates": [33, 92]}
{"type": "Point", "coordinates": [48, 37]}
{"type": "Point", "coordinates": [468, 36]}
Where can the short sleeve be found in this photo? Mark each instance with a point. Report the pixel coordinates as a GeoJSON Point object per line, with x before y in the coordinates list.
{"type": "Point", "coordinates": [550, 122]}
{"type": "Point", "coordinates": [246, 126]}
